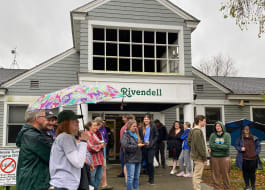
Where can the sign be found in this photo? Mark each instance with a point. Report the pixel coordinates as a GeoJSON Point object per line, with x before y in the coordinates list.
{"type": "Point", "coordinates": [128, 92]}
{"type": "Point", "coordinates": [8, 166]}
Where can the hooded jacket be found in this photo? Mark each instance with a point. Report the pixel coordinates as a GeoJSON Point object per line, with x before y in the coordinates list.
{"type": "Point", "coordinates": [220, 144]}
{"type": "Point", "coordinates": [33, 160]}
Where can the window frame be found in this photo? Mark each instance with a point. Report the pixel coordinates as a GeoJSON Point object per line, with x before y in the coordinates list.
{"type": "Point", "coordinates": [251, 111]}
{"type": "Point", "coordinates": [136, 27]}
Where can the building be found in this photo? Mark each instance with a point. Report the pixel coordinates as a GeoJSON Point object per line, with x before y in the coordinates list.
{"type": "Point", "coordinates": [143, 48]}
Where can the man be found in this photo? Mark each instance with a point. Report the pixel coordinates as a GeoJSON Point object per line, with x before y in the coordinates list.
{"type": "Point", "coordinates": [34, 155]}
{"type": "Point", "coordinates": [162, 137]}
{"type": "Point", "coordinates": [52, 123]}
{"type": "Point", "coordinates": [198, 150]}
{"type": "Point", "coordinates": [104, 136]}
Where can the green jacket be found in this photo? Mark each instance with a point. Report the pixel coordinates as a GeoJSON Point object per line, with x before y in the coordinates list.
{"type": "Point", "coordinates": [220, 144]}
{"type": "Point", "coordinates": [197, 145]}
{"type": "Point", "coordinates": [33, 160]}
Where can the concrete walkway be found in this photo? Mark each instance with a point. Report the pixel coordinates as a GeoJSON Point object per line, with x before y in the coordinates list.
{"type": "Point", "coordinates": [163, 181]}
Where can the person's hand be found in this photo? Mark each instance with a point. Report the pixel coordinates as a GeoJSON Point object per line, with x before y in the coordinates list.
{"type": "Point", "coordinates": [141, 145]}
{"type": "Point", "coordinates": [84, 136]}
{"type": "Point", "coordinates": [205, 163]}
{"type": "Point", "coordinates": [243, 149]}
{"type": "Point", "coordinates": [164, 142]}
{"type": "Point", "coordinates": [102, 145]}
{"type": "Point", "coordinates": [91, 167]}
{"type": "Point", "coordinates": [146, 143]}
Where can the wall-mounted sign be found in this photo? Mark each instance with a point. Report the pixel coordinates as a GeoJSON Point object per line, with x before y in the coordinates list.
{"type": "Point", "coordinates": [128, 92]}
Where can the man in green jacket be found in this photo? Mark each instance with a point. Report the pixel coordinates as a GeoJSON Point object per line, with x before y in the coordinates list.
{"type": "Point", "coordinates": [34, 154]}
{"type": "Point", "coordinates": [198, 151]}
{"type": "Point", "coordinates": [220, 142]}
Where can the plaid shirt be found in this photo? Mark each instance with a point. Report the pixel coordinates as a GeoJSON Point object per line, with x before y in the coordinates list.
{"type": "Point", "coordinates": [96, 150]}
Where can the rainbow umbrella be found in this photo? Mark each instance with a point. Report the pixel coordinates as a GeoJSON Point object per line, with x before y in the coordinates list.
{"type": "Point", "coordinates": [74, 95]}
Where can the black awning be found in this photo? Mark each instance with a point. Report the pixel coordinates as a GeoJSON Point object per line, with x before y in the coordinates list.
{"type": "Point", "coordinates": [141, 107]}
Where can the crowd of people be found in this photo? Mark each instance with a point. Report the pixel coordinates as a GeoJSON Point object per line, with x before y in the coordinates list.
{"type": "Point", "coordinates": [55, 154]}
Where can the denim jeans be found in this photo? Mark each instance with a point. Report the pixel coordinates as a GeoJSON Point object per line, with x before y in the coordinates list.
{"type": "Point", "coordinates": [133, 173]}
{"type": "Point", "coordinates": [122, 160]}
{"type": "Point", "coordinates": [95, 177]}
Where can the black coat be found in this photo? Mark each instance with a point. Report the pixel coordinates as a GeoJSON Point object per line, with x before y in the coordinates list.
{"type": "Point", "coordinates": [132, 153]}
{"type": "Point", "coordinates": [153, 139]}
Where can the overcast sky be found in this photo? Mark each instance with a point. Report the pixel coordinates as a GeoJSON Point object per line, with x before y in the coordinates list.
{"type": "Point", "coordinates": [42, 29]}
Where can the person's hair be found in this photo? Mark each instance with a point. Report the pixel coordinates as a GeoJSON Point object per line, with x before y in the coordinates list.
{"type": "Point", "coordinates": [88, 125]}
{"type": "Point", "coordinates": [144, 126]}
{"type": "Point", "coordinates": [243, 131]}
{"type": "Point", "coordinates": [199, 118]}
{"type": "Point", "coordinates": [188, 124]}
{"type": "Point", "coordinates": [31, 116]}
{"type": "Point", "coordinates": [64, 126]}
{"type": "Point", "coordinates": [130, 117]}
{"type": "Point", "coordinates": [172, 130]}
{"type": "Point", "coordinates": [129, 125]}
{"type": "Point", "coordinates": [98, 120]}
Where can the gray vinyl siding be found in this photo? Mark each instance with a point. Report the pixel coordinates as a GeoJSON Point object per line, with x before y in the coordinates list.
{"type": "Point", "coordinates": [143, 12]}
{"type": "Point", "coordinates": [84, 46]}
{"type": "Point", "coordinates": [209, 91]}
{"type": "Point", "coordinates": [170, 117]}
{"type": "Point", "coordinates": [1, 122]}
{"type": "Point", "coordinates": [72, 108]}
{"type": "Point", "coordinates": [54, 77]}
{"type": "Point", "coordinates": [235, 112]}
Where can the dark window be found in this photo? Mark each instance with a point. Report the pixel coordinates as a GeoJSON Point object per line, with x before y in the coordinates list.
{"type": "Point", "coordinates": [259, 115]}
{"type": "Point", "coordinates": [149, 51]}
{"type": "Point", "coordinates": [98, 63]}
{"type": "Point", "coordinates": [124, 65]}
{"type": "Point", "coordinates": [149, 37]}
{"type": "Point", "coordinates": [137, 36]}
{"type": "Point", "coordinates": [98, 48]}
{"type": "Point", "coordinates": [199, 87]}
{"type": "Point", "coordinates": [111, 34]}
{"type": "Point", "coordinates": [172, 38]}
{"type": "Point", "coordinates": [111, 49]}
{"type": "Point", "coordinates": [161, 51]}
{"type": "Point", "coordinates": [212, 115]}
{"type": "Point", "coordinates": [112, 64]}
{"type": "Point", "coordinates": [137, 65]}
{"type": "Point", "coordinates": [161, 38]}
{"type": "Point", "coordinates": [98, 34]}
{"type": "Point", "coordinates": [124, 50]}
{"type": "Point", "coordinates": [34, 84]}
{"type": "Point", "coordinates": [149, 65]}
{"type": "Point", "coordinates": [137, 51]}
{"type": "Point", "coordinates": [124, 35]}
{"type": "Point", "coordinates": [16, 120]}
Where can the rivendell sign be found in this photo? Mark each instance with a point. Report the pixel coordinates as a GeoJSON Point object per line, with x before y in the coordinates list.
{"type": "Point", "coordinates": [130, 92]}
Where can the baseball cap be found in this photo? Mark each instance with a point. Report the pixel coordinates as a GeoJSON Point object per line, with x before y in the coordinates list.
{"type": "Point", "coordinates": [49, 114]}
{"type": "Point", "coordinates": [98, 120]}
{"type": "Point", "coordinates": [67, 115]}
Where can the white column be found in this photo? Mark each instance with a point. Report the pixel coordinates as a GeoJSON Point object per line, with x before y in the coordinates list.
{"type": "Point", "coordinates": [188, 110]}
{"type": "Point", "coordinates": [84, 108]}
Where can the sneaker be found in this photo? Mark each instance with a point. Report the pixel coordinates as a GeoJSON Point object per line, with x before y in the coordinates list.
{"type": "Point", "coordinates": [187, 175]}
{"type": "Point", "coordinates": [107, 187]}
{"type": "Point", "coordinates": [180, 174]}
{"type": "Point", "coordinates": [151, 182]}
{"type": "Point", "coordinates": [246, 188]}
{"type": "Point", "coordinates": [173, 172]}
{"type": "Point", "coordinates": [120, 175]}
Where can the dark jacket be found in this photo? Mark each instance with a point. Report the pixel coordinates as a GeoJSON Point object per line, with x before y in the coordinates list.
{"type": "Point", "coordinates": [132, 153]}
{"type": "Point", "coordinates": [162, 133]}
{"type": "Point", "coordinates": [220, 144]}
{"type": "Point", "coordinates": [33, 160]}
{"type": "Point", "coordinates": [153, 137]}
{"type": "Point", "coordinates": [239, 144]}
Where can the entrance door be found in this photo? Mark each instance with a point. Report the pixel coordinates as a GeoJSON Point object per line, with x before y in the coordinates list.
{"type": "Point", "coordinates": [111, 123]}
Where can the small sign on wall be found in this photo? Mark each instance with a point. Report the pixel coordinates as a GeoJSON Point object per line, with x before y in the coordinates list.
{"type": "Point", "coordinates": [8, 166]}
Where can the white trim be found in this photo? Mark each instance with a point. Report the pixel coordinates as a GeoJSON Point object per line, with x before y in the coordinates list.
{"type": "Point", "coordinates": [192, 24]}
{"type": "Point", "coordinates": [209, 80]}
{"type": "Point", "coordinates": [215, 102]}
{"type": "Point", "coordinates": [171, 6]}
{"type": "Point", "coordinates": [244, 97]}
{"type": "Point", "coordinates": [39, 67]}
{"type": "Point", "coordinates": [217, 106]}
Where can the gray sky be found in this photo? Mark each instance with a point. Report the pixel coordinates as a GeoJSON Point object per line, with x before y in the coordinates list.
{"type": "Point", "coordinates": [42, 29]}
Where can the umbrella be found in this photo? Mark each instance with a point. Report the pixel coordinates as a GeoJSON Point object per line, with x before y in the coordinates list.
{"type": "Point", "coordinates": [74, 95]}
{"type": "Point", "coordinates": [235, 128]}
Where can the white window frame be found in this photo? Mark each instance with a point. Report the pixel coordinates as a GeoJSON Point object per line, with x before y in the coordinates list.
{"type": "Point", "coordinates": [6, 116]}
{"type": "Point", "coordinates": [251, 111]}
{"type": "Point", "coordinates": [141, 27]}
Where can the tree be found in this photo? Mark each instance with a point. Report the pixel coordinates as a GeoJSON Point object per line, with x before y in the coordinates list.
{"type": "Point", "coordinates": [219, 66]}
{"type": "Point", "coordinates": [245, 12]}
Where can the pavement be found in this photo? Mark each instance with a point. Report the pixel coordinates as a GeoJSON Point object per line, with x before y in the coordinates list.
{"type": "Point", "coordinates": [163, 180]}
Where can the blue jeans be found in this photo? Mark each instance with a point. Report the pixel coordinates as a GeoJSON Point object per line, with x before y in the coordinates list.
{"type": "Point", "coordinates": [95, 177]}
{"type": "Point", "coordinates": [122, 160]}
{"type": "Point", "coordinates": [133, 173]}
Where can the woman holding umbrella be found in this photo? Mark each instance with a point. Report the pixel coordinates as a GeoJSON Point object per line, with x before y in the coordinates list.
{"type": "Point", "coordinates": [248, 147]}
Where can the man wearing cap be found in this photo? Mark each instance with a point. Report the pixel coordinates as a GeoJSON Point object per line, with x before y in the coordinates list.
{"type": "Point", "coordinates": [52, 124]}
{"type": "Point", "coordinates": [34, 154]}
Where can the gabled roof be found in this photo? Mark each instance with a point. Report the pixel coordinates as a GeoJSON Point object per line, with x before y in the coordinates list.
{"type": "Point", "coordinates": [7, 74]}
{"type": "Point", "coordinates": [243, 85]}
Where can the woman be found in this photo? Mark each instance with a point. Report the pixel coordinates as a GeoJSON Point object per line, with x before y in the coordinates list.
{"type": "Point", "coordinates": [95, 146]}
{"type": "Point", "coordinates": [174, 144]}
{"type": "Point", "coordinates": [149, 134]}
{"type": "Point", "coordinates": [67, 158]}
{"type": "Point", "coordinates": [220, 142]}
{"type": "Point", "coordinates": [248, 148]}
{"type": "Point", "coordinates": [133, 155]}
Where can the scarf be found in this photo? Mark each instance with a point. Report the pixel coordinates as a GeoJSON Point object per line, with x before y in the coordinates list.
{"type": "Point", "coordinates": [134, 135]}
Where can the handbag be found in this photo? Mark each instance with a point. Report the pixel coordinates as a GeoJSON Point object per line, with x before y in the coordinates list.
{"type": "Point", "coordinates": [156, 164]}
